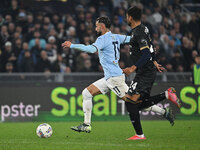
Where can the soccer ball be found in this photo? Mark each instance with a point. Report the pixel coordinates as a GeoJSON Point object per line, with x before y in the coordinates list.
{"type": "Point", "coordinates": [44, 130]}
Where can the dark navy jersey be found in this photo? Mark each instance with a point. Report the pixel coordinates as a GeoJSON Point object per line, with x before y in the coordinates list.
{"type": "Point", "coordinates": [140, 40]}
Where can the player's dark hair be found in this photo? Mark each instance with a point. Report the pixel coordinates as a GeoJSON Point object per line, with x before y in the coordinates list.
{"type": "Point", "coordinates": [105, 20]}
{"type": "Point", "coordinates": [135, 13]}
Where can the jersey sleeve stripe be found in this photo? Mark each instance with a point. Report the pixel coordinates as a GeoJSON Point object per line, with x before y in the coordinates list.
{"type": "Point", "coordinates": [125, 39]}
{"type": "Point", "coordinates": [144, 47]}
{"type": "Point", "coordinates": [95, 47]}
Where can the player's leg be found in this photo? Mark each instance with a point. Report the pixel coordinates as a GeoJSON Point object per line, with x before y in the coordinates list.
{"type": "Point", "coordinates": [135, 95]}
{"type": "Point", "coordinates": [155, 109]}
{"type": "Point", "coordinates": [168, 94]}
{"type": "Point", "coordinates": [98, 87]}
{"type": "Point", "coordinates": [149, 105]}
{"type": "Point", "coordinates": [135, 120]}
{"type": "Point", "coordinates": [150, 101]}
{"type": "Point", "coordinates": [167, 112]}
{"type": "Point", "coordinates": [123, 88]}
{"type": "Point", "coordinates": [88, 94]}
{"type": "Point", "coordinates": [118, 85]}
{"type": "Point", "coordinates": [138, 91]}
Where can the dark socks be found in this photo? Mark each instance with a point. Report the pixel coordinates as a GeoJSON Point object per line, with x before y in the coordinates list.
{"type": "Point", "coordinates": [152, 100]}
{"type": "Point", "coordinates": [134, 117]}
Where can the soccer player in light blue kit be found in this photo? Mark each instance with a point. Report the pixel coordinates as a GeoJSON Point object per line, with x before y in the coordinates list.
{"type": "Point", "coordinates": [108, 47]}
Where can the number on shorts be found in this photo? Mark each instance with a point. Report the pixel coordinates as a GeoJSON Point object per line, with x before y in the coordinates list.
{"type": "Point", "coordinates": [133, 86]}
{"type": "Point", "coordinates": [116, 90]}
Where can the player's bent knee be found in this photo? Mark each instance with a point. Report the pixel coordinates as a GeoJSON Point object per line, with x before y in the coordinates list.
{"type": "Point", "coordinates": [134, 97]}
{"type": "Point", "coordinates": [123, 98]}
{"type": "Point", "coordinates": [86, 94]}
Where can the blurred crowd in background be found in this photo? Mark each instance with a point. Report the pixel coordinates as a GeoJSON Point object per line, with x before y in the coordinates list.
{"type": "Point", "coordinates": [30, 41]}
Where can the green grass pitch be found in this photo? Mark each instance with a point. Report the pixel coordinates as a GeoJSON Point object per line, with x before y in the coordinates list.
{"type": "Point", "coordinates": [105, 135]}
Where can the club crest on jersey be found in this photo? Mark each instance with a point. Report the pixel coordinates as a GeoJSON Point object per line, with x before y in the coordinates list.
{"type": "Point", "coordinates": [146, 30]}
{"type": "Point", "coordinates": [114, 62]}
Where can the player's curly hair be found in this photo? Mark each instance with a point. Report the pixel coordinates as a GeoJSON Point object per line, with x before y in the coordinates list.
{"type": "Point", "coordinates": [135, 13]}
{"type": "Point", "coordinates": [105, 20]}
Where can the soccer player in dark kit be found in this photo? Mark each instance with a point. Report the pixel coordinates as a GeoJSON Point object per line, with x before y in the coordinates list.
{"type": "Point", "coordinates": [143, 63]}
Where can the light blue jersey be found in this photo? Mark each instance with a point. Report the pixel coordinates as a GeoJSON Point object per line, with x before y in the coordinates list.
{"type": "Point", "coordinates": [108, 47]}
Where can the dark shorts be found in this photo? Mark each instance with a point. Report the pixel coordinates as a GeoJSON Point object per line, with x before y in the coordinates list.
{"type": "Point", "coordinates": [142, 84]}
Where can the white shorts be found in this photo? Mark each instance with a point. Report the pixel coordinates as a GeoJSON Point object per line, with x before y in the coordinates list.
{"type": "Point", "coordinates": [116, 84]}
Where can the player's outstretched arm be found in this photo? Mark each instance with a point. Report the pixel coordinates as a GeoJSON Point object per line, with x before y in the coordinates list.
{"type": "Point", "coordinates": [82, 47]}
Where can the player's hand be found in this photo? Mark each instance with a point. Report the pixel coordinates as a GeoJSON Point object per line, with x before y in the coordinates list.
{"type": "Point", "coordinates": [66, 44]}
{"type": "Point", "coordinates": [126, 71]}
{"type": "Point", "coordinates": [129, 70]}
{"type": "Point", "coordinates": [160, 68]}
